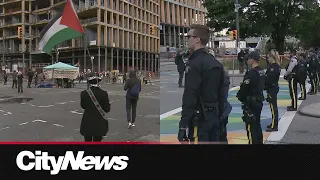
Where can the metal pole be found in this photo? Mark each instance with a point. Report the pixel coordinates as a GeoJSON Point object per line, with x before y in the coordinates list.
{"type": "Point", "coordinates": [3, 54]}
{"type": "Point", "coordinates": [23, 58]}
{"type": "Point", "coordinates": [84, 53]}
{"type": "Point", "coordinates": [237, 6]}
{"type": "Point", "coordinates": [57, 56]}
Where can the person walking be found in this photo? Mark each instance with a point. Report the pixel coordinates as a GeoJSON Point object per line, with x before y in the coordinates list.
{"type": "Point", "coordinates": [96, 105]}
{"type": "Point", "coordinates": [180, 66]}
{"type": "Point", "coordinates": [133, 88]}
{"type": "Point", "coordinates": [5, 76]}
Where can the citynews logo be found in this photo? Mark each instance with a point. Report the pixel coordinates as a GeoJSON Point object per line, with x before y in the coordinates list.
{"type": "Point", "coordinates": [42, 161]}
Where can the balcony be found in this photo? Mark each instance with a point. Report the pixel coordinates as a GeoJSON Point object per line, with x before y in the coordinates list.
{"type": "Point", "coordinates": [90, 21]}
{"type": "Point", "coordinates": [86, 6]}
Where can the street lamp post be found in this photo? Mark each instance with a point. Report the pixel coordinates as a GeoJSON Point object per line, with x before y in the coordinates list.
{"type": "Point", "coordinates": [92, 58]}
{"type": "Point", "coordinates": [236, 10]}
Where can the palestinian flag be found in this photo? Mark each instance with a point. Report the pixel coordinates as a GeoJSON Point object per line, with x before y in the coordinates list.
{"type": "Point", "coordinates": [62, 28]}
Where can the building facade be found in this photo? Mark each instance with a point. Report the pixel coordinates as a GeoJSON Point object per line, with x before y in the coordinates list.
{"type": "Point", "coordinates": [176, 17]}
{"type": "Point", "coordinates": [118, 34]}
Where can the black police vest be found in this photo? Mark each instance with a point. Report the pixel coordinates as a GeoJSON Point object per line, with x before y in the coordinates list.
{"type": "Point", "coordinates": [258, 90]}
{"type": "Point", "coordinates": [313, 63]}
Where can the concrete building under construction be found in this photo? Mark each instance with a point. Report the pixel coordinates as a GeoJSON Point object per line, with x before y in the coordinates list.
{"type": "Point", "coordinates": [176, 17]}
{"type": "Point", "coordinates": [118, 34]}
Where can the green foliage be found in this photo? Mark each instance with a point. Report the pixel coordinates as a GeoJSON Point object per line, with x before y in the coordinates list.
{"type": "Point", "coordinates": [275, 18]}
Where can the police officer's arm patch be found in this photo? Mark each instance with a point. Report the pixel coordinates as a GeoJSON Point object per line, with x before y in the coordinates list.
{"type": "Point", "coordinates": [271, 69]}
{"type": "Point", "coordinates": [247, 81]}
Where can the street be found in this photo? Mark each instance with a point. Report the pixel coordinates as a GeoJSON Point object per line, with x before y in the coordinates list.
{"type": "Point", "coordinates": [42, 114]}
{"type": "Point", "coordinates": [170, 109]}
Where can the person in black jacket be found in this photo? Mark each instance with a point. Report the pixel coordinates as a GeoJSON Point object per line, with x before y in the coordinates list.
{"type": "Point", "coordinates": [133, 88]}
{"type": "Point", "coordinates": [203, 97]}
{"type": "Point", "coordinates": [30, 77]}
{"type": "Point", "coordinates": [241, 59]}
{"type": "Point", "coordinates": [93, 124]}
{"type": "Point", "coordinates": [14, 79]}
{"type": "Point", "coordinates": [272, 87]}
{"type": "Point", "coordinates": [180, 66]}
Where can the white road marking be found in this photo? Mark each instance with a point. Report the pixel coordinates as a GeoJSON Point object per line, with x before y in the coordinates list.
{"type": "Point", "coordinates": [2, 111]}
{"type": "Point", "coordinates": [23, 123]}
{"type": "Point", "coordinates": [77, 129]}
{"type": "Point", "coordinates": [58, 125]}
{"type": "Point", "coordinates": [111, 102]}
{"type": "Point", "coordinates": [285, 122]}
{"type": "Point", "coordinates": [4, 128]}
{"type": "Point", "coordinates": [118, 100]}
{"type": "Point", "coordinates": [173, 91]}
{"type": "Point", "coordinates": [38, 120]}
{"type": "Point", "coordinates": [62, 103]}
{"type": "Point", "coordinates": [112, 119]}
{"type": "Point", "coordinates": [23, 103]}
{"type": "Point", "coordinates": [170, 113]}
{"type": "Point", "coordinates": [75, 112]}
{"type": "Point", "coordinates": [71, 101]}
{"type": "Point", "coordinates": [9, 113]}
{"type": "Point", "coordinates": [32, 105]}
{"type": "Point", "coordinates": [45, 106]}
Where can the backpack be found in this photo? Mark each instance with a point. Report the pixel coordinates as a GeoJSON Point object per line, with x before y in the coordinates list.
{"type": "Point", "coordinates": [302, 69]}
{"type": "Point", "coordinates": [313, 63]}
{"type": "Point", "coordinates": [134, 91]}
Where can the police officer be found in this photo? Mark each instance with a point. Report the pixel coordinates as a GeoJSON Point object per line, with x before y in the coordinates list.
{"type": "Point", "coordinates": [251, 97]}
{"type": "Point", "coordinates": [312, 71]}
{"type": "Point", "coordinates": [203, 97]}
{"type": "Point", "coordinates": [302, 75]}
{"type": "Point", "coordinates": [291, 77]}
{"type": "Point", "coordinates": [272, 87]}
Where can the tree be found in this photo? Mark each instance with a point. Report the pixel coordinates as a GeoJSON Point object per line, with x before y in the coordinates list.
{"type": "Point", "coordinates": [306, 27]}
{"type": "Point", "coordinates": [274, 18]}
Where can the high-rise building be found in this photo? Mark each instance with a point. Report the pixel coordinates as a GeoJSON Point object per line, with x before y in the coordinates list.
{"type": "Point", "coordinates": [118, 34]}
{"type": "Point", "coordinates": [176, 17]}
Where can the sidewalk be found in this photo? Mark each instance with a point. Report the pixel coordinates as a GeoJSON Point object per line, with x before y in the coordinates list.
{"type": "Point", "coordinates": [311, 106]}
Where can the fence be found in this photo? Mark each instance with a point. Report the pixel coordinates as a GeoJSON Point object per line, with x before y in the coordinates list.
{"type": "Point", "coordinates": [232, 66]}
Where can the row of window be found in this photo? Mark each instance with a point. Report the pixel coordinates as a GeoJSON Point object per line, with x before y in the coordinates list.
{"type": "Point", "coordinates": [181, 15]}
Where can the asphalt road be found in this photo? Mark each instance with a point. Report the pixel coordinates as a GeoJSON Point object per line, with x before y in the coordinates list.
{"type": "Point", "coordinates": [304, 129]}
{"type": "Point", "coordinates": [55, 114]}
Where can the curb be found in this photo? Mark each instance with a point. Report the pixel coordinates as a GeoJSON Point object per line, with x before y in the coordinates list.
{"type": "Point", "coordinates": [304, 112]}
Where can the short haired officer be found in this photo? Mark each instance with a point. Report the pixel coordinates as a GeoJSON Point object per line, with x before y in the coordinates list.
{"type": "Point", "coordinates": [251, 97]}
{"type": "Point", "coordinates": [203, 97]}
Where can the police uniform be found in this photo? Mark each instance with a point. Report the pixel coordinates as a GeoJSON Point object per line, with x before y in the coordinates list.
{"type": "Point", "coordinates": [302, 77]}
{"type": "Point", "coordinates": [290, 75]}
{"type": "Point", "coordinates": [204, 78]}
{"type": "Point", "coordinates": [312, 70]}
{"type": "Point", "coordinates": [272, 87]}
{"type": "Point", "coordinates": [251, 96]}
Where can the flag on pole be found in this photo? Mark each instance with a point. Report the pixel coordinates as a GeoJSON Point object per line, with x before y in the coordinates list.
{"type": "Point", "coordinates": [64, 27]}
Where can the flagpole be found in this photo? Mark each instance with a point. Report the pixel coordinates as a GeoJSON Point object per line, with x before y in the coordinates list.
{"type": "Point", "coordinates": [84, 52]}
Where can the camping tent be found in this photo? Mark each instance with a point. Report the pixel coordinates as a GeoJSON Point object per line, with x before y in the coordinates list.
{"type": "Point", "coordinates": [61, 70]}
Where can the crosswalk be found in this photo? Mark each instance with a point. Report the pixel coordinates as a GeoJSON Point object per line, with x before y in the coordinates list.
{"type": "Point", "coordinates": [236, 127]}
